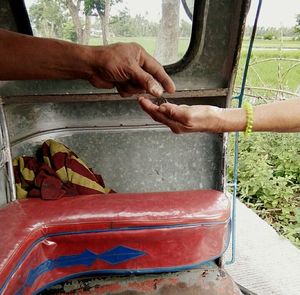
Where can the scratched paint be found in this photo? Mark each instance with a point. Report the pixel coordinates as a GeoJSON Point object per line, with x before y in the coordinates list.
{"type": "Point", "coordinates": [210, 281]}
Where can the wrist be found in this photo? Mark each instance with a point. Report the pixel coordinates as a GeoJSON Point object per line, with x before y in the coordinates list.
{"type": "Point", "coordinates": [85, 59]}
{"type": "Point", "coordinates": [65, 60]}
{"type": "Point", "coordinates": [232, 119]}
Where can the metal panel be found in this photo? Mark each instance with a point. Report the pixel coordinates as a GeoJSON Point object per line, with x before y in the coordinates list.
{"type": "Point", "coordinates": [144, 159]}
{"type": "Point", "coordinates": [120, 142]}
{"type": "Point", "coordinates": [7, 186]}
{"type": "Point", "coordinates": [25, 120]}
{"type": "Point", "coordinates": [3, 170]}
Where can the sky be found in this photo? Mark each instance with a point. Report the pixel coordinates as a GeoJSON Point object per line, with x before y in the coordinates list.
{"type": "Point", "coordinates": [274, 13]}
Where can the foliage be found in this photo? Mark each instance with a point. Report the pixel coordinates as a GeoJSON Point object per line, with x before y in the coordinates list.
{"type": "Point", "coordinates": [69, 32]}
{"type": "Point", "coordinates": [269, 179]}
{"type": "Point", "coordinates": [48, 18]}
{"type": "Point", "coordinates": [297, 26]}
{"type": "Point", "coordinates": [53, 18]}
{"type": "Point", "coordinates": [126, 26]}
{"type": "Point", "coordinates": [268, 36]}
{"type": "Point", "coordinates": [276, 32]}
{"type": "Point", "coordinates": [97, 6]}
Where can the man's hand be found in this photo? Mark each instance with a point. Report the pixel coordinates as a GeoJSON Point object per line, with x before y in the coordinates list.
{"type": "Point", "coordinates": [126, 66]}
{"type": "Point", "coordinates": [130, 68]}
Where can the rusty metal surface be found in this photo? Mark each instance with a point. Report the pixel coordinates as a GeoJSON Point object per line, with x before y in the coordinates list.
{"type": "Point", "coordinates": [203, 281]}
{"type": "Point", "coordinates": [189, 94]}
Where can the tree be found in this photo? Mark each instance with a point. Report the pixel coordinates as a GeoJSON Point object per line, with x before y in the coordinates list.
{"type": "Point", "coordinates": [60, 19]}
{"type": "Point", "coordinates": [48, 18]}
{"type": "Point", "coordinates": [126, 26]}
{"type": "Point", "coordinates": [69, 32]}
{"type": "Point", "coordinates": [81, 21]}
{"type": "Point", "coordinates": [166, 49]}
{"type": "Point", "coordinates": [121, 24]}
{"type": "Point", "coordinates": [297, 26]}
{"type": "Point", "coordinates": [102, 9]}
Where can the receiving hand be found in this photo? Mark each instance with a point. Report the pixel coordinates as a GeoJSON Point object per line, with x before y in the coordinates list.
{"type": "Point", "coordinates": [183, 118]}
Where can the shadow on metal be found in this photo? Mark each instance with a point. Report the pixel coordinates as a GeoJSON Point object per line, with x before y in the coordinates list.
{"type": "Point", "coordinates": [245, 291]}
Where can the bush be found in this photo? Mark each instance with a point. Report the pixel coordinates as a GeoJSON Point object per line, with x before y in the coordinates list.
{"type": "Point", "coordinates": [269, 177]}
{"type": "Point", "coordinates": [269, 37]}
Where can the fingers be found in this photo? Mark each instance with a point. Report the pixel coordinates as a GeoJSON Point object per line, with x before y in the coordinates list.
{"type": "Point", "coordinates": [166, 109]}
{"type": "Point", "coordinates": [177, 113]}
{"type": "Point", "coordinates": [153, 67]}
{"type": "Point", "coordinates": [128, 89]}
{"type": "Point", "coordinates": [146, 81]}
{"type": "Point", "coordinates": [153, 110]}
{"type": "Point", "coordinates": [151, 75]}
{"type": "Point", "coordinates": [147, 105]}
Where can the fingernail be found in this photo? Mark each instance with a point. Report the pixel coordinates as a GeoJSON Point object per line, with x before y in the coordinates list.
{"type": "Point", "coordinates": [156, 89]}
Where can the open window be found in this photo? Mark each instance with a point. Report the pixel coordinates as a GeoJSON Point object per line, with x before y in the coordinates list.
{"type": "Point", "coordinates": [163, 28]}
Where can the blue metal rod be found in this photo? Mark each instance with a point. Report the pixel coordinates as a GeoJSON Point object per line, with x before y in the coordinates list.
{"type": "Point", "coordinates": [240, 98]}
{"type": "Point", "coordinates": [245, 74]}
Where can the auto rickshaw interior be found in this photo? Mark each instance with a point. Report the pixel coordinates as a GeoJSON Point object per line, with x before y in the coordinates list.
{"type": "Point", "coordinates": [112, 134]}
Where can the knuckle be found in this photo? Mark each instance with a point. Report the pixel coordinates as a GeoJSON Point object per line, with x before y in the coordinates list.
{"type": "Point", "coordinates": [171, 113]}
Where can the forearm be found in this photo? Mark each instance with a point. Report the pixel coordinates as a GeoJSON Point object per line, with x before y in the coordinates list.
{"type": "Point", "coordinates": [27, 57]}
{"type": "Point", "coordinates": [281, 116]}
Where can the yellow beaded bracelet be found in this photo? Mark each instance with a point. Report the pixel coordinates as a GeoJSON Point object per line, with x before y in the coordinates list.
{"type": "Point", "coordinates": [249, 112]}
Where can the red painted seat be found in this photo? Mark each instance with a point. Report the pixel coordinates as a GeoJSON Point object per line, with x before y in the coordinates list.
{"type": "Point", "coordinates": [43, 242]}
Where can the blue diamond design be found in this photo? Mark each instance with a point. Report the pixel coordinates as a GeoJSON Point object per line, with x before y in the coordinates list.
{"type": "Point", "coordinates": [120, 254]}
{"type": "Point", "coordinates": [86, 258]}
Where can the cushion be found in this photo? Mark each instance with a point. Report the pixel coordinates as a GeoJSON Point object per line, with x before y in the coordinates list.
{"type": "Point", "coordinates": [44, 242]}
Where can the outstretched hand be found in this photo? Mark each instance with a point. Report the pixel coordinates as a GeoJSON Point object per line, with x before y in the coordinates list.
{"type": "Point", "coordinates": [130, 68]}
{"type": "Point", "coordinates": [183, 118]}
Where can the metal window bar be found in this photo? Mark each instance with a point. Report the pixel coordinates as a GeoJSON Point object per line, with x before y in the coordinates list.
{"type": "Point", "coordinates": [5, 158]}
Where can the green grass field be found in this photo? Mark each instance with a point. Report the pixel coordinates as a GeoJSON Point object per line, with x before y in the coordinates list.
{"type": "Point", "coordinates": [147, 42]}
{"type": "Point", "coordinates": [272, 69]}
{"type": "Point", "coordinates": [287, 43]}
